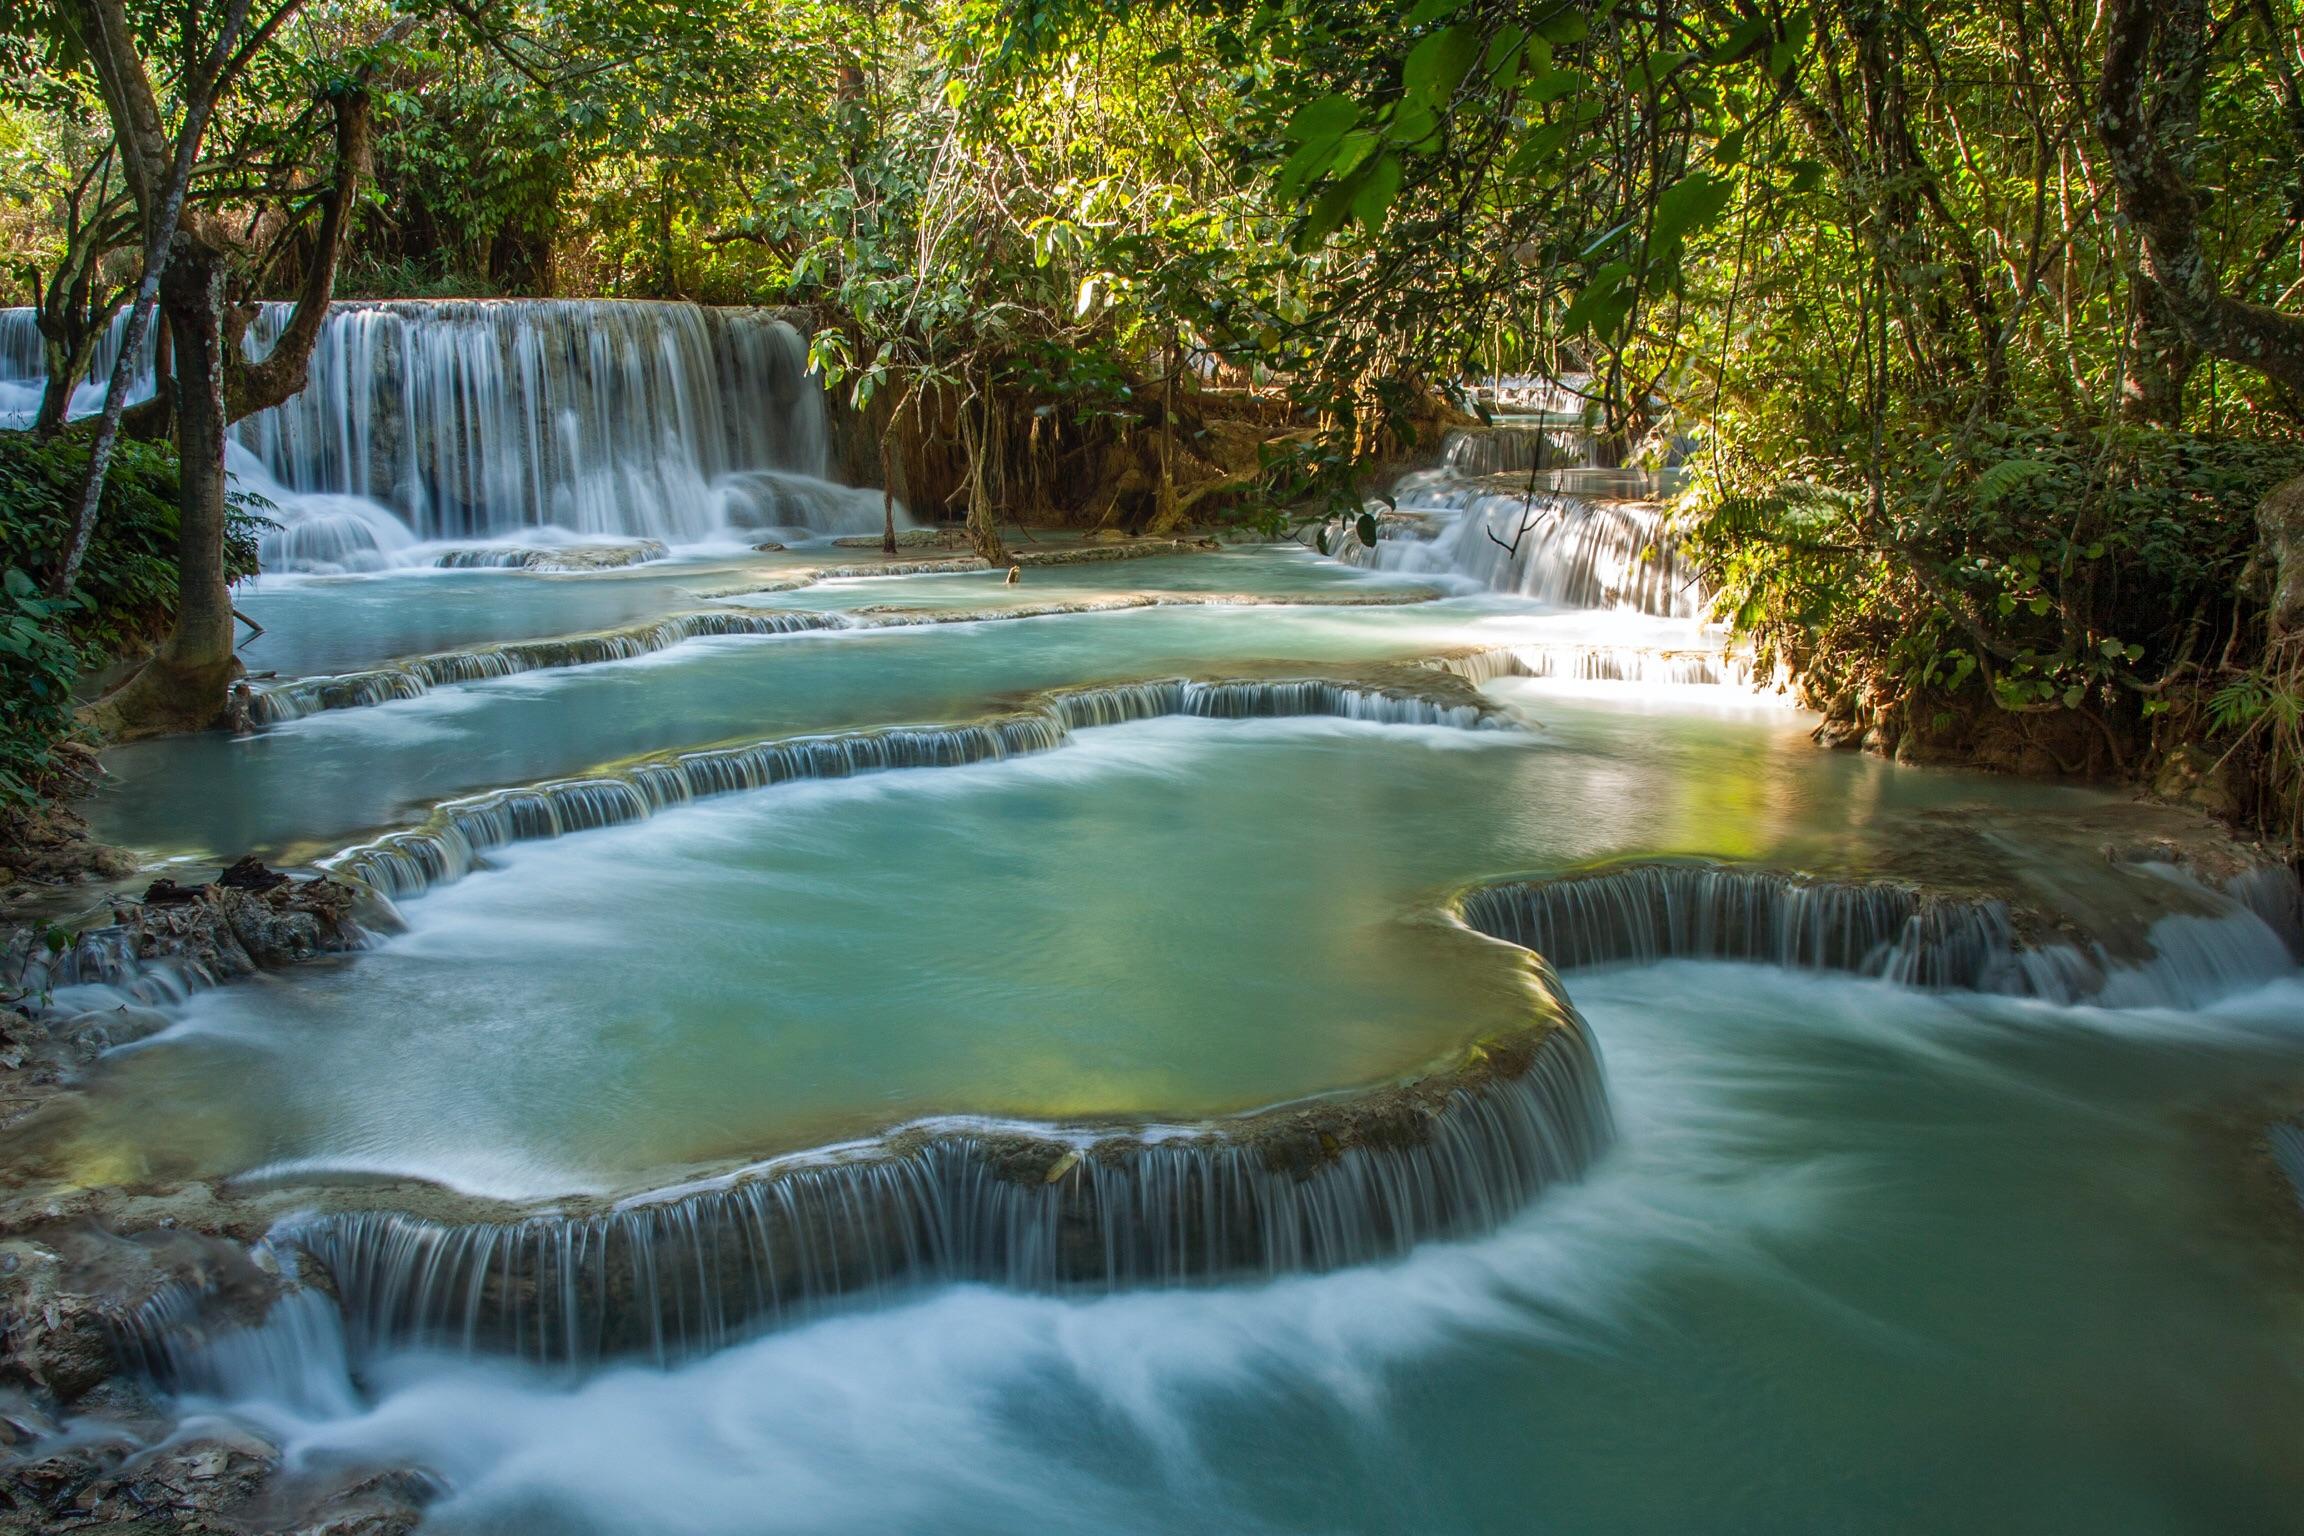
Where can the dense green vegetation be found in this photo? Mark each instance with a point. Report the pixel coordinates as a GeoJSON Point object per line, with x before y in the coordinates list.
{"type": "Point", "coordinates": [1977, 323]}
{"type": "Point", "coordinates": [123, 602]}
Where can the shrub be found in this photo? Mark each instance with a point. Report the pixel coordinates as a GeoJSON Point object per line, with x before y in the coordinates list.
{"type": "Point", "coordinates": [124, 600]}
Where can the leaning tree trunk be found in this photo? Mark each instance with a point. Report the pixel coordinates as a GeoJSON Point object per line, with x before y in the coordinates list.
{"type": "Point", "coordinates": [183, 686]}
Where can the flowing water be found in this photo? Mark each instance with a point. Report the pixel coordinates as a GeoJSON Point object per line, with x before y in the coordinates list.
{"type": "Point", "coordinates": [919, 1054]}
{"type": "Point", "coordinates": [429, 428]}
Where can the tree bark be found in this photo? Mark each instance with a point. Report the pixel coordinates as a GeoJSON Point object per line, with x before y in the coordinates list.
{"type": "Point", "coordinates": [2160, 360]}
{"type": "Point", "coordinates": [2138, 125]}
{"type": "Point", "coordinates": [983, 531]}
{"type": "Point", "coordinates": [184, 685]}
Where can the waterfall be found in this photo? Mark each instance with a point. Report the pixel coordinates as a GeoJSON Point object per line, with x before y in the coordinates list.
{"type": "Point", "coordinates": [450, 844]}
{"type": "Point", "coordinates": [1515, 448]}
{"type": "Point", "coordinates": [24, 367]}
{"type": "Point", "coordinates": [1604, 664]}
{"type": "Point", "coordinates": [1559, 548]}
{"type": "Point", "coordinates": [490, 420]}
{"type": "Point", "coordinates": [1303, 1189]}
{"type": "Point", "coordinates": [1643, 913]}
{"type": "Point", "coordinates": [418, 675]}
{"type": "Point", "coordinates": [486, 419]}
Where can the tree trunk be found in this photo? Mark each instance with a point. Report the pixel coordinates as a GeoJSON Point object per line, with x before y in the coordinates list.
{"type": "Point", "coordinates": [888, 488]}
{"type": "Point", "coordinates": [2154, 57]}
{"type": "Point", "coordinates": [56, 395]}
{"type": "Point", "coordinates": [2280, 552]}
{"type": "Point", "coordinates": [2160, 360]}
{"type": "Point", "coordinates": [983, 531]}
{"type": "Point", "coordinates": [183, 687]}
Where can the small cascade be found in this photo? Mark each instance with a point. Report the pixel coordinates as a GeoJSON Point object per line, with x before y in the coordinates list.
{"type": "Point", "coordinates": [418, 675]}
{"type": "Point", "coordinates": [295, 1357]}
{"type": "Point", "coordinates": [1647, 666]}
{"type": "Point", "coordinates": [1080, 708]}
{"type": "Point", "coordinates": [98, 963]}
{"type": "Point", "coordinates": [1292, 1191]}
{"type": "Point", "coordinates": [769, 501]}
{"type": "Point", "coordinates": [1558, 548]}
{"type": "Point", "coordinates": [460, 832]}
{"type": "Point", "coordinates": [1644, 913]}
{"type": "Point", "coordinates": [1516, 448]}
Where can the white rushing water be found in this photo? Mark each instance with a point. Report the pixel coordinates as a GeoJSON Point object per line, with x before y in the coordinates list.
{"type": "Point", "coordinates": [435, 425]}
{"type": "Point", "coordinates": [825, 1034]}
{"type": "Point", "coordinates": [1758, 1253]}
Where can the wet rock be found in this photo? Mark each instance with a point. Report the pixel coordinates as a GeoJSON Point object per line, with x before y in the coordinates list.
{"type": "Point", "coordinates": [249, 874]}
{"type": "Point", "coordinates": [71, 1302]}
{"type": "Point", "coordinates": [353, 1501]}
{"type": "Point", "coordinates": [101, 1029]}
{"type": "Point", "coordinates": [2197, 777]}
{"type": "Point", "coordinates": [250, 918]}
{"type": "Point", "coordinates": [767, 547]}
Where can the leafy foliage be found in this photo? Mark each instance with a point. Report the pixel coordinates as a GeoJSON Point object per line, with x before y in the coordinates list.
{"type": "Point", "coordinates": [125, 598]}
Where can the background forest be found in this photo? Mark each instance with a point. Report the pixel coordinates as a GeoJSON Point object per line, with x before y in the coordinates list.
{"type": "Point", "coordinates": [1978, 324]}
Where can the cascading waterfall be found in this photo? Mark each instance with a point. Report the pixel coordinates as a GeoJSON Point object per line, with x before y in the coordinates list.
{"type": "Point", "coordinates": [1558, 548]}
{"type": "Point", "coordinates": [412, 677]}
{"type": "Point", "coordinates": [666, 1278]}
{"type": "Point", "coordinates": [1604, 664]}
{"type": "Point", "coordinates": [452, 843]}
{"type": "Point", "coordinates": [418, 675]}
{"type": "Point", "coordinates": [24, 367]}
{"type": "Point", "coordinates": [502, 419]}
{"type": "Point", "coordinates": [1516, 448]}
{"type": "Point", "coordinates": [1643, 913]}
{"type": "Point", "coordinates": [483, 420]}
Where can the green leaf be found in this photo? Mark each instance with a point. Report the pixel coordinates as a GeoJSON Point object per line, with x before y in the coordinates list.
{"type": "Point", "coordinates": [2005, 477]}
{"type": "Point", "coordinates": [1327, 213]}
{"type": "Point", "coordinates": [1438, 64]}
{"type": "Point", "coordinates": [1411, 125]}
{"type": "Point", "coordinates": [1601, 306]}
{"type": "Point", "coordinates": [1366, 528]}
{"type": "Point", "coordinates": [1328, 118]}
{"type": "Point", "coordinates": [1352, 151]}
{"type": "Point", "coordinates": [1565, 25]}
{"type": "Point", "coordinates": [1377, 190]}
{"type": "Point", "coordinates": [1554, 85]}
{"type": "Point", "coordinates": [1742, 41]}
{"type": "Point", "coordinates": [1536, 151]}
{"type": "Point", "coordinates": [1690, 204]}
{"type": "Point", "coordinates": [1505, 53]}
